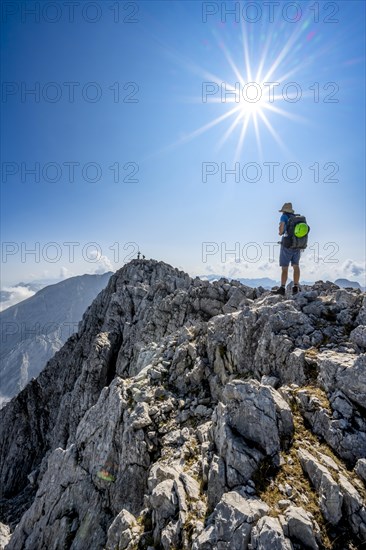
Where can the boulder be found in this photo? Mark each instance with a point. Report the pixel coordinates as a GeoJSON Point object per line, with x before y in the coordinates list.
{"type": "Point", "coordinates": [123, 532]}
{"type": "Point", "coordinates": [268, 534]}
{"type": "Point", "coordinates": [299, 527]}
{"type": "Point", "coordinates": [260, 415]}
{"type": "Point", "coordinates": [231, 523]}
{"type": "Point", "coordinates": [360, 468]}
{"type": "Point", "coordinates": [330, 495]}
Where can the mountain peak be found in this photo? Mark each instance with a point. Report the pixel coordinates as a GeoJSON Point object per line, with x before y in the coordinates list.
{"type": "Point", "coordinates": [148, 271]}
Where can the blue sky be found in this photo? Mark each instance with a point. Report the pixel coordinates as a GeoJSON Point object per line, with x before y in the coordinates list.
{"type": "Point", "coordinates": [165, 54]}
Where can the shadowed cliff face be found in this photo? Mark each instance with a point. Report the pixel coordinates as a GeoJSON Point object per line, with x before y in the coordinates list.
{"type": "Point", "coordinates": [191, 414]}
{"type": "Point", "coordinates": [33, 330]}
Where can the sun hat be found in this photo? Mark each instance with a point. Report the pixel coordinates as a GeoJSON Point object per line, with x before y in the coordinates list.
{"type": "Point", "coordinates": [287, 207]}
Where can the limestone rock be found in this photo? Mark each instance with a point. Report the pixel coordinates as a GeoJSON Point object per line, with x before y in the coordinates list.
{"type": "Point", "coordinates": [176, 403]}
{"type": "Point", "coordinates": [267, 534]}
{"type": "Point", "coordinates": [4, 535]}
{"type": "Point", "coordinates": [123, 532]}
{"type": "Point", "coordinates": [330, 495]}
{"type": "Point", "coordinates": [346, 373]}
{"type": "Point", "coordinates": [348, 442]}
{"type": "Point", "coordinates": [354, 507]}
{"type": "Point", "coordinates": [231, 523]}
{"type": "Point", "coordinates": [299, 528]}
{"type": "Point", "coordinates": [360, 468]}
{"type": "Point", "coordinates": [241, 460]}
{"type": "Point", "coordinates": [358, 336]}
{"type": "Point", "coordinates": [259, 414]}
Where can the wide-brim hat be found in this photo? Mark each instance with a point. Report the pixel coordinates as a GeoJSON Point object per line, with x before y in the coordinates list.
{"type": "Point", "coordinates": [287, 207]}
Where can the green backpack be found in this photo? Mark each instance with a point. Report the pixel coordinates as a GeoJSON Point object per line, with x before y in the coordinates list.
{"type": "Point", "coordinates": [297, 232]}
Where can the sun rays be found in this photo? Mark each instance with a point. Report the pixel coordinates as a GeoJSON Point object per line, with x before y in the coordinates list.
{"type": "Point", "coordinates": [253, 95]}
{"type": "Point", "coordinates": [251, 88]}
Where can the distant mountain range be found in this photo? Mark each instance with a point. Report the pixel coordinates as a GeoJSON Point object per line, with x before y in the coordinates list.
{"type": "Point", "coordinates": [34, 329]}
{"type": "Point", "coordinates": [264, 282]}
{"type": "Point", "coordinates": [345, 283]}
{"type": "Point", "coordinates": [268, 283]}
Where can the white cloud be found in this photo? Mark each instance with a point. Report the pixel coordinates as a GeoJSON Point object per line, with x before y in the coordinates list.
{"type": "Point", "coordinates": [101, 263]}
{"type": "Point", "coordinates": [313, 267]}
{"type": "Point", "coordinates": [4, 400]}
{"type": "Point", "coordinates": [236, 270]}
{"type": "Point", "coordinates": [65, 273]}
{"type": "Point", "coordinates": [322, 268]}
{"type": "Point", "coordinates": [354, 269]}
{"type": "Point", "coordinates": [16, 294]}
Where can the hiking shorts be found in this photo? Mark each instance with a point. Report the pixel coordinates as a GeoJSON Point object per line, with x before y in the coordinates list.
{"type": "Point", "coordinates": [288, 255]}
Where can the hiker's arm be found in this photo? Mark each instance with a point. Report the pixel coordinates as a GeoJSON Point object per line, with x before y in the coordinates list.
{"type": "Point", "coordinates": [281, 228]}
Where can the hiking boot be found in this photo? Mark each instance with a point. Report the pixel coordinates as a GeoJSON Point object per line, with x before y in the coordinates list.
{"type": "Point", "coordinates": [281, 291]}
{"type": "Point", "coordinates": [295, 289]}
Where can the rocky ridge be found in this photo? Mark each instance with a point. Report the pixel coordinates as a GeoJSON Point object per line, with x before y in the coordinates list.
{"type": "Point", "coordinates": [188, 414]}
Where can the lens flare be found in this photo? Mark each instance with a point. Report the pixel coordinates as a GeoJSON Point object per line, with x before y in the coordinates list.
{"type": "Point", "coordinates": [259, 63]}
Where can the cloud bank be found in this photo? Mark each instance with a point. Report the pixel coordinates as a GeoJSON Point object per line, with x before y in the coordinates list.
{"type": "Point", "coordinates": [14, 295]}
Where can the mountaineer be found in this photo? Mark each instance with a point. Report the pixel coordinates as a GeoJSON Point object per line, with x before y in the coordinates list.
{"type": "Point", "coordinates": [294, 232]}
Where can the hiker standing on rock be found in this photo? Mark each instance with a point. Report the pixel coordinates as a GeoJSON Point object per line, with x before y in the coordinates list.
{"type": "Point", "coordinates": [294, 232]}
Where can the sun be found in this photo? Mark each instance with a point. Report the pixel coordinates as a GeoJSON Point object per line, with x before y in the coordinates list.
{"type": "Point", "coordinates": [251, 109]}
{"type": "Point", "coordinates": [251, 99]}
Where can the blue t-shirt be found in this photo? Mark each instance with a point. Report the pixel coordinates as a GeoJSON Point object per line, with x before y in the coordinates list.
{"type": "Point", "coordinates": [284, 218]}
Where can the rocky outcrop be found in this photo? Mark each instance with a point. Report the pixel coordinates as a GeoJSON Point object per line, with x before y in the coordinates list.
{"type": "Point", "coordinates": [231, 523]}
{"type": "Point", "coordinates": [188, 414]}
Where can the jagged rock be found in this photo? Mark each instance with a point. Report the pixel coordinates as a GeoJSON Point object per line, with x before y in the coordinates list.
{"type": "Point", "coordinates": [268, 534]}
{"type": "Point", "coordinates": [347, 440]}
{"type": "Point", "coordinates": [123, 532]}
{"type": "Point", "coordinates": [345, 299]}
{"type": "Point", "coordinates": [344, 372]}
{"type": "Point", "coordinates": [241, 460]}
{"type": "Point", "coordinates": [361, 316]}
{"type": "Point", "coordinates": [4, 535]}
{"type": "Point", "coordinates": [354, 507]}
{"type": "Point", "coordinates": [283, 504]}
{"type": "Point", "coordinates": [152, 416]}
{"type": "Point", "coordinates": [140, 417]}
{"type": "Point", "coordinates": [170, 535]}
{"type": "Point", "coordinates": [342, 405]}
{"type": "Point", "coordinates": [160, 472]}
{"type": "Point", "coordinates": [216, 485]}
{"type": "Point", "coordinates": [327, 461]}
{"type": "Point", "coordinates": [259, 414]}
{"type": "Point", "coordinates": [239, 296]}
{"type": "Point", "coordinates": [190, 485]}
{"type": "Point", "coordinates": [358, 336]}
{"type": "Point", "coordinates": [270, 381]}
{"type": "Point", "coordinates": [330, 495]}
{"type": "Point", "coordinates": [299, 528]}
{"type": "Point", "coordinates": [360, 468]}
{"type": "Point", "coordinates": [173, 493]}
{"type": "Point", "coordinates": [67, 508]}
{"type": "Point", "coordinates": [203, 432]}
{"type": "Point", "coordinates": [231, 523]}
{"type": "Point", "coordinates": [164, 503]}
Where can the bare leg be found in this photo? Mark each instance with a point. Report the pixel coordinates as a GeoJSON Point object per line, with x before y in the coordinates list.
{"type": "Point", "coordinates": [296, 274]}
{"type": "Point", "coordinates": [284, 275]}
